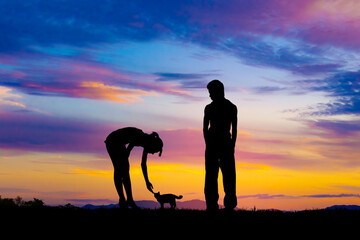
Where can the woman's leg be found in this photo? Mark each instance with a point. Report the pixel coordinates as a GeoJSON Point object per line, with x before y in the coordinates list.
{"type": "Point", "coordinates": [118, 180]}
{"type": "Point", "coordinates": [127, 184]}
{"type": "Point", "coordinates": [115, 156]}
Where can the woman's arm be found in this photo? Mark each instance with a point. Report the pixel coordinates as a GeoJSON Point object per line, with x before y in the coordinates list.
{"type": "Point", "coordinates": [129, 148]}
{"type": "Point", "coordinates": [144, 170]}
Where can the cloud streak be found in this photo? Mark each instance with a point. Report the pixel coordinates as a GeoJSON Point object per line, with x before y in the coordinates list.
{"type": "Point", "coordinates": [187, 80]}
{"type": "Point", "coordinates": [59, 76]}
{"type": "Point", "coordinates": [268, 196]}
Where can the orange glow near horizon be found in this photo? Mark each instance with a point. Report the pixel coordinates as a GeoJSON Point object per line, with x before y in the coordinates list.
{"type": "Point", "coordinates": [283, 189]}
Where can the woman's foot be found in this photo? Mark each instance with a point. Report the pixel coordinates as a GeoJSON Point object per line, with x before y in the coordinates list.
{"type": "Point", "coordinates": [132, 204]}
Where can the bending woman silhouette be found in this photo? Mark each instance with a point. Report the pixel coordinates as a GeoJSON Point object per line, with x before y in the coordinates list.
{"type": "Point", "coordinates": [116, 146]}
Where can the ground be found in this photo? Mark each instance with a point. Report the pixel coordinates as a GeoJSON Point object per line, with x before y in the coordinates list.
{"type": "Point", "coordinates": [87, 222]}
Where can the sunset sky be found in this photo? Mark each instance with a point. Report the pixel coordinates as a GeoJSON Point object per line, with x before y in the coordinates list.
{"type": "Point", "coordinates": [71, 72]}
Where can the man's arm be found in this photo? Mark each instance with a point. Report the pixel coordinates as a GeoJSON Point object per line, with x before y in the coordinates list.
{"type": "Point", "coordinates": [149, 186]}
{"type": "Point", "coordinates": [206, 125]}
{"type": "Point", "coordinates": [234, 127]}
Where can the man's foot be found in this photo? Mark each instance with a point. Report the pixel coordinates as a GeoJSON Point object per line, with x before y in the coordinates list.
{"type": "Point", "coordinates": [212, 208]}
{"type": "Point", "coordinates": [228, 210]}
{"type": "Point", "coordinates": [230, 202]}
{"type": "Point", "coordinates": [123, 204]}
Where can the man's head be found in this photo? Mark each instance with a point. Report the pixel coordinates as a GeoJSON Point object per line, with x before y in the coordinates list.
{"type": "Point", "coordinates": [216, 90]}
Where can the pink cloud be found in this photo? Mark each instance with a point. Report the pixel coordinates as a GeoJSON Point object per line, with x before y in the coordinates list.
{"type": "Point", "coordinates": [183, 144]}
{"type": "Point", "coordinates": [187, 145]}
{"type": "Point", "coordinates": [315, 21]}
{"type": "Point", "coordinates": [331, 22]}
{"type": "Point", "coordinates": [236, 17]}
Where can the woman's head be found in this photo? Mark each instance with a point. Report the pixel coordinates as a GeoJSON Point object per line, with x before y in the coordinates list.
{"type": "Point", "coordinates": [154, 144]}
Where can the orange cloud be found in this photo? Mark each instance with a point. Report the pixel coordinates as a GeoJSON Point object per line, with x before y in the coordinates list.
{"type": "Point", "coordinates": [6, 98]}
{"type": "Point", "coordinates": [98, 90]}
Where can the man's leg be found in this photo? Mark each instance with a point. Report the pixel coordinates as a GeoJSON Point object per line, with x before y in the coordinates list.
{"type": "Point", "coordinates": [211, 180]}
{"type": "Point", "coordinates": [228, 170]}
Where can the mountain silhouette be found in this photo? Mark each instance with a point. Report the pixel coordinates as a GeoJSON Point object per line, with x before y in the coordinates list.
{"type": "Point", "coordinates": [343, 207]}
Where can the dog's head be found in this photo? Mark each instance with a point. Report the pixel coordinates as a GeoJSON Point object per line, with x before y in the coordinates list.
{"type": "Point", "coordinates": [156, 195]}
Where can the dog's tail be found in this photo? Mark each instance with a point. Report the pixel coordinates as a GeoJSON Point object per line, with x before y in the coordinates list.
{"type": "Point", "coordinates": [179, 197]}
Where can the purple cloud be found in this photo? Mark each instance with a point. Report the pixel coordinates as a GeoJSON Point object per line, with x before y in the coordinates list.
{"type": "Point", "coordinates": [90, 201]}
{"type": "Point", "coordinates": [263, 196]}
{"type": "Point", "coordinates": [187, 80]}
{"type": "Point", "coordinates": [332, 195]}
{"type": "Point", "coordinates": [268, 196]}
{"type": "Point", "coordinates": [343, 88]}
{"type": "Point", "coordinates": [334, 128]}
{"type": "Point", "coordinates": [269, 90]}
{"type": "Point", "coordinates": [50, 134]}
{"type": "Point", "coordinates": [14, 190]}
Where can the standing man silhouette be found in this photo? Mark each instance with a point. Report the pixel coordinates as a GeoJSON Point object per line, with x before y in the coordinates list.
{"type": "Point", "coordinates": [221, 115]}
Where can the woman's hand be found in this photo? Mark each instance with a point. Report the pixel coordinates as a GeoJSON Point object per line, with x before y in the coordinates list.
{"type": "Point", "coordinates": [149, 186]}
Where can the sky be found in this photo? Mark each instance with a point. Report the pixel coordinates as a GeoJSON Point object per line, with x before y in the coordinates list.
{"type": "Point", "coordinates": [71, 72]}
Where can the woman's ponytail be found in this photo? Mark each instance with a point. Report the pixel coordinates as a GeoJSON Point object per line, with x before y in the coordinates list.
{"type": "Point", "coordinates": [154, 135]}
